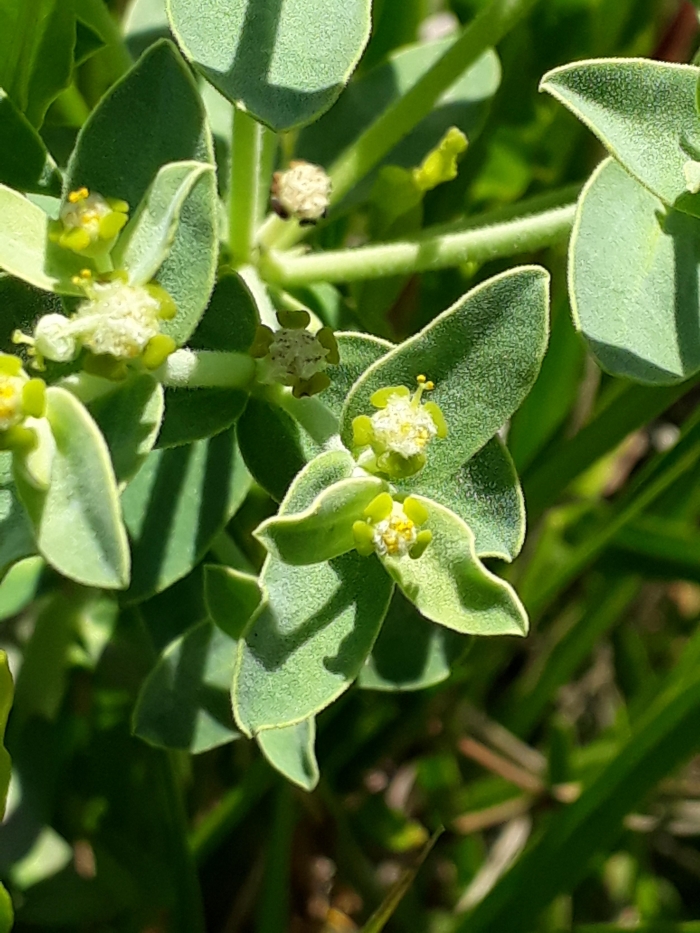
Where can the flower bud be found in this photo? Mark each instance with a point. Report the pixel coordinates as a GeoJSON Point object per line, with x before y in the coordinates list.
{"type": "Point", "coordinates": [302, 192]}
{"type": "Point", "coordinates": [294, 356]}
{"type": "Point", "coordinates": [89, 224]}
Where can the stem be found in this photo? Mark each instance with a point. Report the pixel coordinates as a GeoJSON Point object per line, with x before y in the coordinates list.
{"type": "Point", "coordinates": [424, 252]}
{"type": "Point", "coordinates": [485, 30]}
{"type": "Point", "coordinates": [196, 369]}
{"type": "Point", "coordinates": [315, 418]}
{"type": "Point", "coordinates": [243, 194]}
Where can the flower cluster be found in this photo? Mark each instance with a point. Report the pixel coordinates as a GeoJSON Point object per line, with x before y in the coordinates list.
{"type": "Point", "coordinates": [118, 321]}
{"type": "Point", "coordinates": [89, 224]}
{"type": "Point", "coordinates": [295, 357]}
{"type": "Point", "coordinates": [20, 398]}
{"type": "Point", "coordinates": [390, 528]}
{"type": "Point", "coordinates": [394, 439]}
{"type": "Point", "coordinates": [303, 191]}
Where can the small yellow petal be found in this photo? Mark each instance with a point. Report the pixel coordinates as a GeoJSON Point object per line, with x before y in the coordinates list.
{"type": "Point", "coordinates": [422, 541]}
{"type": "Point", "coordinates": [158, 349]}
{"type": "Point", "coordinates": [362, 431]}
{"type": "Point", "coordinates": [364, 538]}
{"type": "Point", "coordinates": [34, 398]}
{"type": "Point", "coordinates": [111, 224]}
{"type": "Point", "coordinates": [379, 508]}
{"type": "Point", "coordinates": [75, 239]}
{"type": "Point", "coordinates": [167, 308]}
{"type": "Point", "coordinates": [436, 414]}
{"type": "Point", "coordinates": [294, 320]}
{"type": "Point", "coordinates": [261, 343]}
{"type": "Point", "coordinates": [380, 398]}
{"type": "Point", "coordinates": [308, 387]}
{"type": "Point", "coordinates": [10, 365]}
{"type": "Point", "coordinates": [415, 510]}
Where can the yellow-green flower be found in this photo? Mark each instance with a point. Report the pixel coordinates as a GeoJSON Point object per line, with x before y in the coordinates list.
{"type": "Point", "coordinates": [393, 440]}
{"type": "Point", "coordinates": [390, 528]}
{"type": "Point", "coordinates": [295, 357]}
{"type": "Point", "coordinates": [20, 398]}
{"type": "Point", "coordinates": [89, 223]}
{"type": "Point", "coordinates": [118, 322]}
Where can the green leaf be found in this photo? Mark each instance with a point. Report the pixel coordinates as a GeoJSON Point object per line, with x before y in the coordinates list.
{"type": "Point", "coordinates": [129, 418]}
{"type": "Point", "coordinates": [37, 38]}
{"type": "Point", "coordinates": [88, 41]}
{"type": "Point", "coordinates": [629, 254]}
{"type": "Point", "coordinates": [449, 585]}
{"type": "Point", "coordinates": [464, 105]}
{"type": "Point", "coordinates": [483, 354]}
{"type": "Point", "coordinates": [144, 22]}
{"type": "Point", "coordinates": [16, 535]}
{"type": "Point", "coordinates": [27, 252]}
{"type": "Point", "coordinates": [644, 114]}
{"type": "Point", "coordinates": [357, 353]}
{"type": "Point", "coordinates": [290, 750]}
{"type": "Point", "coordinates": [148, 237]}
{"type": "Point", "coordinates": [178, 502]}
{"type": "Point", "coordinates": [6, 694]}
{"type": "Point", "coordinates": [19, 586]}
{"type": "Point", "coordinates": [410, 653]}
{"type": "Point", "coordinates": [485, 493]}
{"type": "Point", "coordinates": [317, 624]}
{"type": "Point", "coordinates": [184, 702]}
{"type": "Point", "coordinates": [231, 597]}
{"type": "Point", "coordinates": [81, 504]}
{"type": "Point", "coordinates": [6, 913]}
{"type": "Point", "coordinates": [228, 324]}
{"type": "Point", "coordinates": [279, 61]}
{"type": "Point", "coordinates": [25, 165]}
{"type": "Point", "coordinates": [152, 117]}
{"type": "Point", "coordinates": [274, 445]}
{"type": "Point", "coordinates": [324, 530]}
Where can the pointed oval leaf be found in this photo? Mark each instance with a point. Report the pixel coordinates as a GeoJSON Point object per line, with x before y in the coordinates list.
{"type": "Point", "coordinates": [628, 254]}
{"type": "Point", "coordinates": [410, 653]}
{"type": "Point", "coordinates": [279, 61]}
{"type": "Point", "coordinates": [16, 535]}
{"type": "Point", "coordinates": [184, 702]}
{"type": "Point", "coordinates": [26, 164]}
{"type": "Point", "coordinates": [77, 520]}
{"type": "Point", "coordinates": [357, 353]}
{"type": "Point", "coordinates": [644, 114]}
{"type": "Point", "coordinates": [290, 750]}
{"type": "Point", "coordinates": [231, 597]}
{"type": "Point", "coordinates": [178, 502]}
{"type": "Point", "coordinates": [324, 530]}
{"type": "Point", "coordinates": [449, 585]}
{"type": "Point", "coordinates": [19, 586]}
{"type": "Point", "coordinates": [483, 354]}
{"type": "Point", "coordinates": [486, 494]}
{"type": "Point", "coordinates": [151, 117]}
{"type": "Point", "coordinates": [129, 418]}
{"type": "Point", "coordinates": [311, 635]}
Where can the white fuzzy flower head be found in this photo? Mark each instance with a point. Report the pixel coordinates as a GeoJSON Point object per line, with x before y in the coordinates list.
{"type": "Point", "coordinates": [303, 192]}
{"type": "Point", "coordinates": [295, 355]}
{"type": "Point", "coordinates": [53, 339]}
{"type": "Point", "coordinates": [402, 427]}
{"type": "Point", "coordinates": [118, 320]}
{"type": "Point", "coordinates": [395, 535]}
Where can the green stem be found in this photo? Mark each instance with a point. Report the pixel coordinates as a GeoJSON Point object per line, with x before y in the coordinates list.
{"type": "Point", "coordinates": [196, 369]}
{"type": "Point", "coordinates": [424, 252]}
{"type": "Point", "coordinates": [243, 194]}
{"type": "Point", "coordinates": [485, 30]}
{"type": "Point", "coordinates": [315, 418]}
{"type": "Point", "coordinates": [70, 106]}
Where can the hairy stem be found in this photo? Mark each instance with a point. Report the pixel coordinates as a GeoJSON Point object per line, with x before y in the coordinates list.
{"type": "Point", "coordinates": [196, 369]}
{"type": "Point", "coordinates": [243, 194]}
{"type": "Point", "coordinates": [479, 244]}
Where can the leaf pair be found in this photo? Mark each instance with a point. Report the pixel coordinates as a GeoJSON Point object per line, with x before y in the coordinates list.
{"type": "Point", "coordinates": [634, 267]}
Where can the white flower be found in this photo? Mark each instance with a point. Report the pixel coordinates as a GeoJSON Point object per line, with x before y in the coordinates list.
{"type": "Point", "coordinates": [119, 319]}
{"type": "Point", "coordinates": [403, 427]}
{"type": "Point", "coordinates": [88, 220]}
{"type": "Point", "coordinates": [295, 355]}
{"type": "Point", "coordinates": [303, 191]}
{"type": "Point", "coordinates": [53, 339]}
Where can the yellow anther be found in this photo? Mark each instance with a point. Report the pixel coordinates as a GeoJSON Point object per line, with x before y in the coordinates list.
{"type": "Point", "coordinates": [420, 379]}
{"type": "Point", "coordinates": [80, 194]}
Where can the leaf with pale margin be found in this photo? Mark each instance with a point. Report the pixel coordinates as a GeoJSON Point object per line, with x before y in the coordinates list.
{"type": "Point", "coordinates": [279, 61]}
{"type": "Point", "coordinates": [16, 536]}
{"type": "Point", "coordinates": [644, 114]}
{"type": "Point", "coordinates": [310, 637]}
{"type": "Point", "coordinates": [290, 750]}
{"type": "Point", "coordinates": [19, 586]}
{"type": "Point", "coordinates": [146, 240]}
{"type": "Point", "coordinates": [27, 252]}
{"type": "Point", "coordinates": [231, 598]}
{"type": "Point", "coordinates": [324, 530]}
{"type": "Point", "coordinates": [176, 505]}
{"type": "Point", "coordinates": [410, 653]}
{"type": "Point", "coordinates": [483, 354]}
{"type": "Point", "coordinates": [151, 117]}
{"type": "Point", "coordinates": [449, 585]}
{"type": "Point", "coordinates": [25, 165]}
{"type": "Point", "coordinates": [184, 702]}
{"type": "Point", "coordinates": [629, 254]}
{"type": "Point", "coordinates": [357, 353]}
{"type": "Point", "coordinates": [129, 418]}
{"type": "Point", "coordinates": [486, 494]}
{"type": "Point", "coordinates": [77, 520]}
